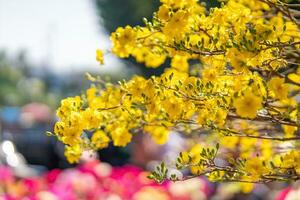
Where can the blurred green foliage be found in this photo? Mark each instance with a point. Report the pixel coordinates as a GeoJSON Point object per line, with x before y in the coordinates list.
{"type": "Point", "coordinates": [117, 13]}
{"type": "Point", "coordinates": [18, 88]}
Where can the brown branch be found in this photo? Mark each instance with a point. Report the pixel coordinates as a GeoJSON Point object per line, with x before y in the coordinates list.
{"type": "Point", "coordinates": [239, 134]}
{"type": "Point", "coordinates": [264, 118]}
{"type": "Point", "coordinates": [278, 45]}
{"type": "Point", "coordinates": [287, 79]}
{"type": "Point", "coordinates": [197, 51]}
{"type": "Point", "coordinates": [283, 9]}
{"type": "Point", "coordinates": [114, 107]}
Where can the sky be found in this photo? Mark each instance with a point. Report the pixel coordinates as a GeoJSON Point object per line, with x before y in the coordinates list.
{"type": "Point", "coordinates": [60, 34]}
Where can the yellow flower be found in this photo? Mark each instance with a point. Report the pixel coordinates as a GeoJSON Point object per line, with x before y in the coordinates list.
{"type": "Point", "coordinates": [209, 74]}
{"type": "Point", "coordinates": [163, 13]}
{"type": "Point", "coordinates": [220, 117]}
{"type": "Point", "coordinates": [229, 142]}
{"type": "Point", "coordinates": [194, 153]}
{"type": "Point", "coordinates": [178, 24]}
{"type": "Point", "coordinates": [99, 56]}
{"type": "Point", "coordinates": [289, 131]}
{"type": "Point", "coordinates": [59, 128]}
{"type": "Point", "coordinates": [91, 93]}
{"type": "Point", "coordinates": [67, 106]}
{"type": "Point", "coordinates": [266, 151]}
{"type": "Point", "coordinates": [295, 77]}
{"type": "Point", "coordinates": [254, 168]}
{"type": "Point", "coordinates": [173, 107]}
{"type": "Point", "coordinates": [120, 136]}
{"type": "Point", "coordinates": [70, 130]}
{"type": "Point", "coordinates": [154, 60]}
{"type": "Point", "coordinates": [238, 59]}
{"type": "Point", "coordinates": [203, 116]}
{"type": "Point", "coordinates": [126, 36]}
{"type": "Point", "coordinates": [232, 50]}
{"type": "Point", "coordinates": [176, 77]}
{"type": "Point", "coordinates": [175, 4]}
{"type": "Point", "coordinates": [180, 63]}
{"type": "Point", "coordinates": [247, 105]}
{"type": "Point", "coordinates": [160, 134]}
{"type": "Point", "coordinates": [123, 41]}
{"type": "Point", "coordinates": [290, 159]}
{"type": "Point", "coordinates": [279, 88]}
{"type": "Point", "coordinates": [91, 118]}
{"type": "Point", "coordinates": [246, 187]}
{"type": "Point", "coordinates": [100, 140]}
{"type": "Point", "coordinates": [72, 139]}
{"type": "Point", "coordinates": [73, 153]}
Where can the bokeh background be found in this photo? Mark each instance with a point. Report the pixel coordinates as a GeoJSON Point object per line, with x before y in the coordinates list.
{"type": "Point", "coordinates": [46, 47]}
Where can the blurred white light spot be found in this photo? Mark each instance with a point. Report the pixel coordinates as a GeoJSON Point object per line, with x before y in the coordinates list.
{"type": "Point", "coordinates": [88, 155]}
{"type": "Point", "coordinates": [8, 147]}
{"type": "Point", "coordinates": [103, 169]}
{"type": "Point", "coordinates": [113, 197]}
{"type": "Point", "coordinates": [12, 160]}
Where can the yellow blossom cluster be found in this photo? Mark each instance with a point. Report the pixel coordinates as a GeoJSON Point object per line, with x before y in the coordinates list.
{"type": "Point", "coordinates": [234, 79]}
